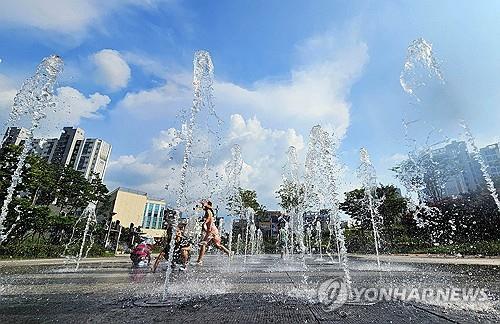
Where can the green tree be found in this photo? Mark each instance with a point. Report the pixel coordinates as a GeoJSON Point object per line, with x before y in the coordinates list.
{"type": "Point", "coordinates": [249, 199]}
{"type": "Point", "coordinates": [9, 154]}
{"type": "Point", "coordinates": [47, 201]}
{"type": "Point", "coordinates": [290, 195]}
{"type": "Point", "coordinates": [39, 180]}
{"type": "Point", "coordinates": [398, 230]}
{"type": "Point", "coordinates": [354, 205]}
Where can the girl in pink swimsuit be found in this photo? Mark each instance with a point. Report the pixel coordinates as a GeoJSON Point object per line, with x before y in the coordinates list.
{"type": "Point", "coordinates": [211, 233]}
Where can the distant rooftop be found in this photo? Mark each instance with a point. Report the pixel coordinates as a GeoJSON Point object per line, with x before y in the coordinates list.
{"type": "Point", "coordinates": [156, 198]}
{"type": "Point", "coordinates": [138, 192]}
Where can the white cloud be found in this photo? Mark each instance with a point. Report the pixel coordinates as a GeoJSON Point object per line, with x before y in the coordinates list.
{"type": "Point", "coordinates": [111, 69]}
{"type": "Point", "coordinates": [264, 153]}
{"type": "Point", "coordinates": [7, 94]}
{"type": "Point", "coordinates": [157, 102]}
{"type": "Point", "coordinates": [64, 17]}
{"type": "Point", "coordinates": [71, 107]}
{"type": "Point", "coordinates": [316, 92]}
{"type": "Point", "coordinates": [147, 64]}
{"type": "Point", "coordinates": [263, 150]}
{"type": "Point", "coordinates": [55, 15]}
{"type": "Point", "coordinates": [394, 159]}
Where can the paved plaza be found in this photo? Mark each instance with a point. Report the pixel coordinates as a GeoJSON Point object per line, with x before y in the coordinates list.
{"type": "Point", "coordinates": [262, 288]}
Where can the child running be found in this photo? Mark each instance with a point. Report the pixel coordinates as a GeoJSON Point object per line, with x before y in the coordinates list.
{"type": "Point", "coordinates": [210, 232]}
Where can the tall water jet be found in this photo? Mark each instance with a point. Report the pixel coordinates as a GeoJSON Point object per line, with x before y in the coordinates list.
{"type": "Point", "coordinates": [476, 154]}
{"type": "Point", "coordinates": [221, 226]}
{"type": "Point", "coordinates": [89, 214]}
{"type": "Point", "coordinates": [238, 243]}
{"type": "Point", "coordinates": [333, 219]}
{"type": "Point", "coordinates": [368, 177]}
{"type": "Point", "coordinates": [35, 98]}
{"type": "Point", "coordinates": [309, 240]}
{"type": "Point", "coordinates": [332, 171]}
{"type": "Point", "coordinates": [230, 237]}
{"type": "Point", "coordinates": [233, 202]}
{"type": "Point", "coordinates": [411, 174]}
{"type": "Point", "coordinates": [202, 99]}
{"type": "Point", "coordinates": [420, 68]}
{"type": "Point", "coordinates": [260, 242]}
{"type": "Point", "coordinates": [319, 240]}
{"type": "Point", "coordinates": [253, 238]}
{"type": "Point", "coordinates": [313, 180]}
{"type": "Point", "coordinates": [233, 173]}
{"type": "Point", "coordinates": [321, 185]}
{"type": "Point", "coordinates": [249, 218]}
{"type": "Point", "coordinates": [282, 243]}
{"type": "Point", "coordinates": [293, 191]}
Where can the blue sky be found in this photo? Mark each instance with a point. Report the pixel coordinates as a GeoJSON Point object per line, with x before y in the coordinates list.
{"type": "Point", "coordinates": [281, 67]}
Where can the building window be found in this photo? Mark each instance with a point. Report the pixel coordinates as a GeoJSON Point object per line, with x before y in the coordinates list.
{"type": "Point", "coordinates": [155, 216]}
{"type": "Point", "coordinates": [160, 219]}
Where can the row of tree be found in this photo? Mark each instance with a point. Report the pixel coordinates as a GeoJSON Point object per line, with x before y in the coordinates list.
{"type": "Point", "coordinates": [47, 203]}
{"type": "Point", "coordinates": [462, 220]}
{"type": "Point", "coordinates": [458, 223]}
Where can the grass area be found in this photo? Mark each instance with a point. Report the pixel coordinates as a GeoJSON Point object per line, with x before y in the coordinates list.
{"type": "Point", "coordinates": [47, 251]}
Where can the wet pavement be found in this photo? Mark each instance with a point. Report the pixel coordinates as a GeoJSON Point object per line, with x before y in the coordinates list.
{"type": "Point", "coordinates": [261, 288]}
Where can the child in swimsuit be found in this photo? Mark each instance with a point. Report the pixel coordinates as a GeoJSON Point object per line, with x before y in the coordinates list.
{"type": "Point", "coordinates": [211, 233]}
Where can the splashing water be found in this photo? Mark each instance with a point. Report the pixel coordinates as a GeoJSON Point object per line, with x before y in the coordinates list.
{"type": "Point", "coordinates": [476, 154]}
{"type": "Point", "coordinates": [314, 181]}
{"type": "Point", "coordinates": [420, 66]}
{"type": "Point", "coordinates": [249, 217]}
{"type": "Point", "coordinates": [293, 185]}
{"type": "Point", "coordinates": [204, 179]}
{"type": "Point", "coordinates": [230, 237]}
{"type": "Point", "coordinates": [333, 219]}
{"type": "Point", "coordinates": [368, 177]}
{"type": "Point", "coordinates": [202, 100]}
{"type": "Point", "coordinates": [282, 243]}
{"type": "Point", "coordinates": [309, 240]}
{"type": "Point", "coordinates": [260, 242]}
{"type": "Point", "coordinates": [253, 238]}
{"type": "Point", "coordinates": [232, 197]}
{"type": "Point", "coordinates": [322, 171]}
{"type": "Point", "coordinates": [238, 244]}
{"type": "Point", "coordinates": [34, 99]}
{"type": "Point", "coordinates": [319, 240]}
{"type": "Point", "coordinates": [233, 169]}
{"type": "Point", "coordinates": [89, 215]}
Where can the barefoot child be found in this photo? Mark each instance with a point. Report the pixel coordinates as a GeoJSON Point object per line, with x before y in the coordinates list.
{"type": "Point", "coordinates": [210, 232]}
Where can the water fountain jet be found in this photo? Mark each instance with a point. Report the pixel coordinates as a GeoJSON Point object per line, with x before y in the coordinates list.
{"type": "Point", "coordinates": [368, 177]}
{"type": "Point", "coordinates": [202, 99]}
{"type": "Point", "coordinates": [34, 98]}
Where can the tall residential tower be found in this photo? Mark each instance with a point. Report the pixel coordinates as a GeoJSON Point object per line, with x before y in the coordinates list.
{"type": "Point", "coordinates": [89, 156]}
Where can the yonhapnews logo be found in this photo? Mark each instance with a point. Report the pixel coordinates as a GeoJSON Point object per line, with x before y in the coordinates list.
{"type": "Point", "coordinates": [334, 292]}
